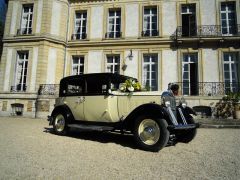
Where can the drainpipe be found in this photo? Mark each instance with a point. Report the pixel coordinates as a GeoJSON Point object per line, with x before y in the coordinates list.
{"type": "Point", "coordinates": [65, 50]}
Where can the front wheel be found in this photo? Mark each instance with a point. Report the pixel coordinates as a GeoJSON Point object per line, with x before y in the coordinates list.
{"type": "Point", "coordinates": [60, 124]}
{"type": "Point", "coordinates": [188, 135]}
{"type": "Point", "coordinates": [151, 134]}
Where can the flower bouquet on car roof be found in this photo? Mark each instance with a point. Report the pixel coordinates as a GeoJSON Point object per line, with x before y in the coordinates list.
{"type": "Point", "coordinates": [130, 85]}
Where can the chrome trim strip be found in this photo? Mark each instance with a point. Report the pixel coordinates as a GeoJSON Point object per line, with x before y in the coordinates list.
{"type": "Point", "coordinates": [182, 116]}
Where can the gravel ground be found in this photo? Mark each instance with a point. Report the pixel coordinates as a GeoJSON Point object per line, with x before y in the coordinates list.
{"type": "Point", "coordinates": [28, 150]}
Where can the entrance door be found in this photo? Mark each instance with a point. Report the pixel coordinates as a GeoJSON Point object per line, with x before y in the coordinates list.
{"type": "Point", "coordinates": [193, 79]}
{"type": "Point", "coordinates": [188, 20]}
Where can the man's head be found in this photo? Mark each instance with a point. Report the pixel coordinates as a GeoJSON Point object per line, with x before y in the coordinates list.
{"type": "Point", "coordinates": [174, 88]}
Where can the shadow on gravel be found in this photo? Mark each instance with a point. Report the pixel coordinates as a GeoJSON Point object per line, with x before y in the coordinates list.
{"type": "Point", "coordinates": [126, 140]}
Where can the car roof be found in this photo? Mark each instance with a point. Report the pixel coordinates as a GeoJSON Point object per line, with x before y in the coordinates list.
{"type": "Point", "coordinates": [99, 76]}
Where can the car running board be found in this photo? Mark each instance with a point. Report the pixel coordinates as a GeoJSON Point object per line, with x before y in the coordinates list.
{"type": "Point", "coordinates": [91, 127]}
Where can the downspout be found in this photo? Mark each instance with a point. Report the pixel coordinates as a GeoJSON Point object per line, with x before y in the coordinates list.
{"type": "Point", "coordinates": [65, 50]}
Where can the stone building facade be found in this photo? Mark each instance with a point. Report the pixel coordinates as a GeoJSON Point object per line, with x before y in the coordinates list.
{"type": "Point", "coordinates": [193, 42]}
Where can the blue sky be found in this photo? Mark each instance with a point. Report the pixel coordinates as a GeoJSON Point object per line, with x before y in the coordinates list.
{"type": "Point", "coordinates": [2, 9]}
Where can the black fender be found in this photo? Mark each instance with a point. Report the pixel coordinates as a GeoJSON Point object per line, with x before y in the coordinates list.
{"type": "Point", "coordinates": [151, 109]}
{"type": "Point", "coordinates": [63, 109]}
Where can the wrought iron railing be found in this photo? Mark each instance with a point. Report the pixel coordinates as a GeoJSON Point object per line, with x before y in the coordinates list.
{"type": "Point", "coordinates": [149, 33]}
{"type": "Point", "coordinates": [24, 31]}
{"type": "Point", "coordinates": [113, 35]}
{"type": "Point", "coordinates": [207, 31]}
{"type": "Point", "coordinates": [18, 88]}
{"type": "Point", "coordinates": [48, 89]}
{"type": "Point", "coordinates": [208, 88]}
{"type": "Point", "coordinates": [79, 36]}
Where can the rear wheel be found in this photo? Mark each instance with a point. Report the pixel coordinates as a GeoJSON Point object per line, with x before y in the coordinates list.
{"type": "Point", "coordinates": [60, 124]}
{"type": "Point", "coordinates": [151, 134]}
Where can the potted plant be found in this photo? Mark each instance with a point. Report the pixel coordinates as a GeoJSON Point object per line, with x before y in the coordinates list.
{"type": "Point", "coordinates": [235, 98]}
{"type": "Point", "coordinates": [228, 106]}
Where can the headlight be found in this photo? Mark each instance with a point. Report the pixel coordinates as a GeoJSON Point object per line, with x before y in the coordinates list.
{"type": "Point", "coordinates": [184, 105]}
{"type": "Point", "coordinates": [167, 103]}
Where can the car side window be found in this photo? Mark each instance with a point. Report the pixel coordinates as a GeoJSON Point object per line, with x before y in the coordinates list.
{"type": "Point", "coordinates": [74, 87]}
{"type": "Point", "coordinates": [96, 86]}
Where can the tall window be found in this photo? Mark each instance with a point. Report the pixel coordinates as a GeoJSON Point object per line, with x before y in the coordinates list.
{"type": "Point", "coordinates": [228, 18]}
{"type": "Point", "coordinates": [27, 17]}
{"type": "Point", "coordinates": [77, 65]}
{"type": "Point", "coordinates": [114, 23]}
{"type": "Point", "coordinates": [190, 74]}
{"type": "Point", "coordinates": [150, 25]}
{"type": "Point", "coordinates": [189, 20]}
{"type": "Point", "coordinates": [21, 71]}
{"type": "Point", "coordinates": [231, 71]}
{"type": "Point", "coordinates": [113, 64]}
{"type": "Point", "coordinates": [150, 72]}
{"type": "Point", "coordinates": [80, 25]}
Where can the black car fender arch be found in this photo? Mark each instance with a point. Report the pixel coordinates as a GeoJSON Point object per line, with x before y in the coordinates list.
{"type": "Point", "coordinates": [64, 109]}
{"type": "Point", "coordinates": [151, 109]}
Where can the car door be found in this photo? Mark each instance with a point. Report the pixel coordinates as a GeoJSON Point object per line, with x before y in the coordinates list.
{"type": "Point", "coordinates": [75, 98]}
{"type": "Point", "coordinates": [97, 105]}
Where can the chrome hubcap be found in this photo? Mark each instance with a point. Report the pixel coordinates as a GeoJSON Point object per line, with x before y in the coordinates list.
{"type": "Point", "coordinates": [59, 123]}
{"type": "Point", "coordinates": [149, 132]}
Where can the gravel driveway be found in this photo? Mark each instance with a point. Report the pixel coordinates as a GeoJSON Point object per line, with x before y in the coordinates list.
{"type": "Point", "coordinates": [28, 150]}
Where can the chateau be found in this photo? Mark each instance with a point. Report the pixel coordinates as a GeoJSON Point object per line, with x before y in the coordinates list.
{"type": "Point", "coordinates": [195, 43]}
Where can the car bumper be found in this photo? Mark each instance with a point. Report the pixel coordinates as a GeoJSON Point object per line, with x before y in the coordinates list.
{"type": "Point", "coordinates": [183, 127]}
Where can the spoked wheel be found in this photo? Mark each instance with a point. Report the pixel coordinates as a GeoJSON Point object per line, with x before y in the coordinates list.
{"type": "Point", "coordinates": [151, 134]}
{"type": "Point", "coordinates": [60, 124]}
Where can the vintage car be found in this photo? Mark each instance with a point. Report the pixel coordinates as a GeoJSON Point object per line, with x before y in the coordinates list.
{"type": "Point", "coordinates": [113, 102]}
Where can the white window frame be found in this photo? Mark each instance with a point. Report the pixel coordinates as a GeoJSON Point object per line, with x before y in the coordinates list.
{"type": "Point", "coordinates": [20, 81]}
{"type": "Point", "coordinates": [113, 65]}
{"type": "Point", "coordinates": [80, 34]}
{"type": "Point", "coordinates": [150, 63]}
{"type": "Point", "coordinates": [79, 64]}
{"type": "Point", "coordinates": [227, 12]}
{"type": "Point", "coordinates": [115, 17]}
{"type": "Point", "coordinates": [29, 14]}
{"type": "Point", "coordinates": [231, 62]}
{"type": "Point", "coordinates": [151, 15]}
{"type": "Point", "coordinates": [188, 62]}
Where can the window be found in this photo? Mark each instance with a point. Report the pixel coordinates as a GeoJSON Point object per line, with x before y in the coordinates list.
{"type": "Point", "coordinates": [96, 86]}
{"type": "Point", "coordinates": [80, 25]}
{"type": "Point", "coordinates": [189, 24]}
{"type": "Point", "coordinates": [77, 65]}
{"type": "Point", "coordinates": [74, 87]}
{"type": "Point", "coordinates": [27, 17]}
{"type": "Point", "coordinates": [114, 23]}
{"type": "Point", "coordinates": [228, 18]}
{"type": "Point", "coordinates": [21, 72]}
{"type": "Point", "coordinates": [150, 25]}
{"type": "Point", "coordinates": [150, 72]}
{"type": "Point", "coordinates": [113, 64]}
{"type": "Point", "coordinates": [231, 71]}
{"type": "Point", "coordinates": [190, 74]}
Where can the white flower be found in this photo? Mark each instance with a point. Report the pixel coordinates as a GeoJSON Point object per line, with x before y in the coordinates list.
{"type": "Point", "coordinates": [131, 89]}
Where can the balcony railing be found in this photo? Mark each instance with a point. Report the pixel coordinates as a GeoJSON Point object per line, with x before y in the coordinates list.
{"type": "Point", "coordinates": [149, 33]}
{"type": "Point", "coordinates": [49, 89]}
{"type": "Point", "coordinates": [208, 88]}
{"type": "Point", "coordinates": [24, 31]}
{"type": "Point", "coordinates": [113, 35]}
{"type": "Point", "coordinates": [18, 88]}
{"type": "Point", "coordinates": [79, 36]}
{"type": "Point", "coordinates": [207, 31]}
